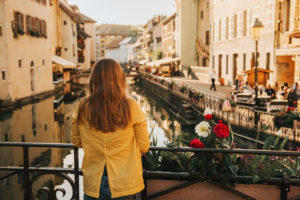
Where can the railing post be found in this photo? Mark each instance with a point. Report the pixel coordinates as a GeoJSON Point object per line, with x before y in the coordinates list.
{"type": "Point", "coordinates": [26, 173]}
{"type": "Point", "coordinates": [285, 187]}
{"type": "Point", "coordinates": [76, 174]}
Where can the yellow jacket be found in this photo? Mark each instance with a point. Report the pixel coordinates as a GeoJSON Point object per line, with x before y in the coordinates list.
{"type": "Point", "coordinates": [120, 151]}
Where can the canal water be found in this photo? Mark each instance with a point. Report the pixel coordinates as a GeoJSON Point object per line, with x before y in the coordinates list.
{"type": "Point", "coordinates": [45, 122]}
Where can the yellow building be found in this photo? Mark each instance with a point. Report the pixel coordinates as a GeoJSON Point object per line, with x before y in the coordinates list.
{"type": "Point", "coordinates": [287, 41]}
{"type": "Point", "coordinates": [25, 61]}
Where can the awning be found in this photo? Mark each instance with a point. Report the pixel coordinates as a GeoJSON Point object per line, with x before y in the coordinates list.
{"type": "Point", "coordinates": [65, 63]}
{"type": "Point", "coordinates": [163, 61]}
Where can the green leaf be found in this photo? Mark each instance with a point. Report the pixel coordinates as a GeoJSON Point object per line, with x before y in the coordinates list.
{"type": "Point", "coordinates": [276, 143]}
{"type": "Point", "coordinates": [283, 142]}
{"type": "Point", "coordinates": [234, 169]}
{"type": "Point", "coordinates": [268, 142]}
{"type": "Point", "coordinates": [265, 127]}
{"type": "Point", "coordinates": [255, 179]}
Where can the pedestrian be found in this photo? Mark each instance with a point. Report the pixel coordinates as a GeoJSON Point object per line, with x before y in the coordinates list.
{"type": "Point", "coordinates": [112, 130]}
{"type": "Point", "coordinates": [237, 82]}
{"type": "Point", "coordinates": [213, 77]}
{"type": "Point", "coordinates": [270, 91]}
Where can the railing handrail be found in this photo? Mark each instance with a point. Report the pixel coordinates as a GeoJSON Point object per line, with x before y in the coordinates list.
{"type": "Point", "coordinates": [155, 148]}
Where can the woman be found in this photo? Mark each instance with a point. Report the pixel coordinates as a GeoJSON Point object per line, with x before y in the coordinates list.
{"type": "Point", "coordinates": [112, 130]}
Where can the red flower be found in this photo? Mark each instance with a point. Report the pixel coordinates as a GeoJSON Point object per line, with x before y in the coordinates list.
{"type": "Point", "coordinates": [196, 143]}
{"type": "Point", "coordinates": [221, 130]}
{"type": "Point", "coordinates": [208, 117]}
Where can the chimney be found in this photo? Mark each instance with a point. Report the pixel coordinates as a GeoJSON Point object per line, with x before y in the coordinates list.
{"type": "Point", "coordinates": [158, 19]}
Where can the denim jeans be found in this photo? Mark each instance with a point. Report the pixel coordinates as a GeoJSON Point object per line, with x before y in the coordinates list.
{"type": "Point", "coordinates": [105, 193]}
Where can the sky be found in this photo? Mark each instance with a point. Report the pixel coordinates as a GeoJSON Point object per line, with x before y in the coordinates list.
{"type": "Point", "coordinates": [129, 12]}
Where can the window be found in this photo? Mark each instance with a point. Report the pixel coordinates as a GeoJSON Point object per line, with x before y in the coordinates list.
{"type": "Point", "coordinates": [267, 60]}
{"type": "Point", "coordinates": [43, 62]}
{"type": "Point", "coordinates": [6, 137]}
{"type": "Point", "coordinates": [204, 62]}
{"type": "Point", "coordinates": [234, 26]}
{"type": "Point", "coordinates": [244, 22]}
{"type": "Point", "coordinates": [1, 30]}
{"type": "Point", "coordinates": [45, 127]}
{"type": "Point", "coordinates": [73, 49]}
{"type": "Point", "coordinates": [201, 14]}
{"type": "Point", "coordinates": [23, 138]}
{"type": "Point", "coordinates": [227, 27]}
{"type": "Point", "coordinates": [65, 22]}
{"type": "Point", "coordinates": [20, 63]}
{"type": "Point", "coordinates": [32, 63]}
{"type": "Point", "coordinates": [213, 31]}
{"type": "Point", "coordinates": [226, 64]}
{"type": "Point", "coordinates": [220, 30]}
{"type": "Point", "coordinates": [19, 22]}
{"type": "Point", "coordinates": [3, 74]}
{"type": "Point", "coordinates": [244, 61]}
{"type": "Point", "coordinates": [66, 49]}
{"type": "Point", "coordinates": [207, 37]}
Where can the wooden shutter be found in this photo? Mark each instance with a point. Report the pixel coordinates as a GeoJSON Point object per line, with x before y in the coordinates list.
{"type": "Point", "coordinates": [15, 19]}
{"type": "Point", "coordinates": [45, 29]}
{"type": "Point", "coordinates": [22, 21]}
{"type": "Point", "coordinates": [41, 27]}
{"type": "Point", "coordinates": [27, 24]}
{"type": "Point", "coordinates": [37, 26]}
{"type": "Point", "coordinates": [33, 24]}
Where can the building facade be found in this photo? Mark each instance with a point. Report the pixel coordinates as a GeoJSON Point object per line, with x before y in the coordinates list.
{"type": "Point", "coordinates": [233, 46]}
{"type": "Point", "coordinates": [105, 34]}
{"type": "Point", "coordinates": [24, 24]}
{"type": "Point", "coordinates": [287, 42]}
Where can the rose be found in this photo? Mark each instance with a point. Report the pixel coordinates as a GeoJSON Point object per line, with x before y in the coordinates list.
{"type": "Point", "coordinates": [202, 129]}
{"type": "Point", "coordinates": [221, 130]}
{"type": "Point", "coordinates": [196, 143]}
{"type": "Point", "coordinates": [208, 117]}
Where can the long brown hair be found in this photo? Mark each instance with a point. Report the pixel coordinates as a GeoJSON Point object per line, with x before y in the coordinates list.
{"type": "Point", "coordinates": [107, 107]}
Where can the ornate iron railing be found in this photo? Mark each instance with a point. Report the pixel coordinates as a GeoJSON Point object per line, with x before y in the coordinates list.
{"type": "Point", "coordinates": [31, 174]}
{"type": "Point", "coordinates": [242, 116]}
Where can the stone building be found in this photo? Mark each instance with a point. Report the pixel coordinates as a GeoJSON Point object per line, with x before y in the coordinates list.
{"type": "Point", "coordinates": [287, 41]}
{"type": "Point", "coordinates": [105, 34]}
{"type": "Point", "coordinates": [233, 46]}
{"type": "Point", "coordinates": [25, 61]}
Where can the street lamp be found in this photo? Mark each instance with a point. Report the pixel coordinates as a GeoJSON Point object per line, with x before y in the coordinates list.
{"type": "Point", "coordinates": [256, 28]}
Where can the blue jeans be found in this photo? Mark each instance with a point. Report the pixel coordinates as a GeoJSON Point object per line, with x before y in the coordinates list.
{"type": "Point", "coordinates": [105, 193]}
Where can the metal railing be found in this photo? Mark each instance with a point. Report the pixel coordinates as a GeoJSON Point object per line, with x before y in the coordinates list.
{"type": "Point", "coordinates": [284, 182]}
{"type": "Point", "coordinates": [240, 116]}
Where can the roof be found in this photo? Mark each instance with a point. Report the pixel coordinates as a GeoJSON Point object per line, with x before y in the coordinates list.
{"type": "Point", "coordinates": [86, 19]}
{"type": "Point", "coordinates": [114, 44]}
{"type": "Point", "coordinates": [61, 61]}
{"type": "Point", "coordinates": [112, 29]}
{"type": "Point", "coordinates": [128, 40]}
{"type": "Point", "coordinates": [67, 9]}
{"type": "Point", "coordinates": [168, 19]}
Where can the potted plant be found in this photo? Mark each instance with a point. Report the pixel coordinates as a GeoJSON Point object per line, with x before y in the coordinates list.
{"type": "Point", "coordinates": [183, 88]}
{"type": "Point", "coordinates": [288, 118]}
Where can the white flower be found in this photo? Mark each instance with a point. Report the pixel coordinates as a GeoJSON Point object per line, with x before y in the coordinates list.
{"type": "Point", "coordinates": [207, 111]}
{"type": "Point", "coordinates": [279, 132]}
{"type": "Point", "coordinates": [202, 129]}
{"type": "Point", "coordinates": [152, 124]}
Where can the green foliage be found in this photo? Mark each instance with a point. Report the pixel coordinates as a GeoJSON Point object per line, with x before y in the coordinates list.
{"type": "Point", "coordinates": [157, 54]}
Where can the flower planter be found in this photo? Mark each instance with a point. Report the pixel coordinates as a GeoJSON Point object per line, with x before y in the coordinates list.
{"type": "Point", "coordinates": [210, 191]}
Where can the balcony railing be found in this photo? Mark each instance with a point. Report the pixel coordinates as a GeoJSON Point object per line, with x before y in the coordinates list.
{"type": "Point", "coordinates": [284, 182]}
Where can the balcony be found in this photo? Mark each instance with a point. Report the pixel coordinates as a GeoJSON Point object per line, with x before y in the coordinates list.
{"type": "Point", "coordinates": [81, 59]}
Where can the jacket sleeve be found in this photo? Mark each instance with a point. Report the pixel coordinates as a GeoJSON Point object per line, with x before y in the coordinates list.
{"type": "Point", "coordinates": [141, 129]}
{"type": "Point", "coordinates": [75, 130]}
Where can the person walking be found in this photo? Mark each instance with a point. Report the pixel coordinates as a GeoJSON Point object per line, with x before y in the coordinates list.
{"type": "Point", "coordinates": [213, 77]}
{"type": "Point", "coordinates": [112, 130]}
